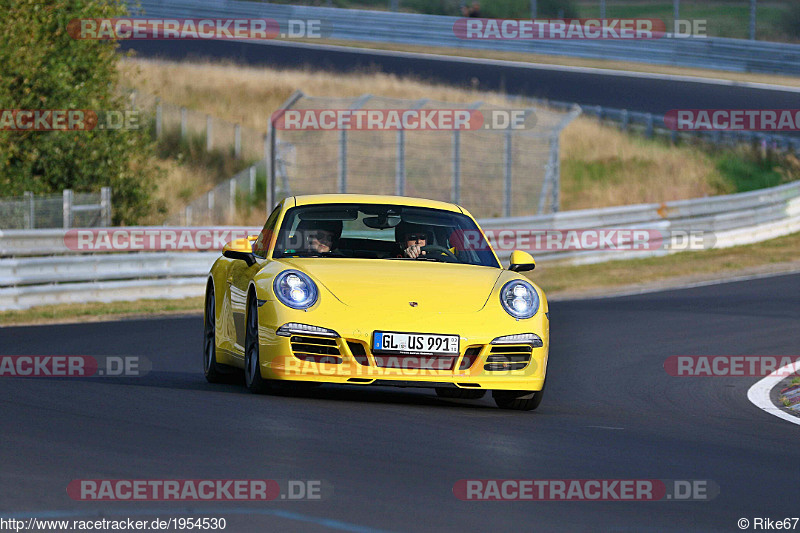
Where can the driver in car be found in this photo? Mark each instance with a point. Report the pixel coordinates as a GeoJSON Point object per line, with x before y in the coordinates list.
{"type": "Point", "coordinates": [413, 242]}
{"type": "Point", "coordinates": [412, 238]}
{"type": "Point", "coordinates": [321, 236]}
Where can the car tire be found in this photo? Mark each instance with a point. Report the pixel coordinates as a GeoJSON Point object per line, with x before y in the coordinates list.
{"type": "Point", "coordinates": [252, 365]}
{"type": "Point", "coordinates": [518, 400]}
{"type": "Point", "coordinates": [460, 394]}
{"type": "Point", "coordinates": [211, 368]}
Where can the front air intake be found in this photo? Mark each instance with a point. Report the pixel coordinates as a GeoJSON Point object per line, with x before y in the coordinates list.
{"type": "Point", "coordinates": [315, 349]}
{"type": "Point", "coordinates": [510, 357]}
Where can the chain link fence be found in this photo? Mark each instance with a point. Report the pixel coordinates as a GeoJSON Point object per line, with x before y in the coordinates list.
{"type": "Point", "coordinates": [67, 210]}
{"type": "Point", "coordinates": [493, 172]}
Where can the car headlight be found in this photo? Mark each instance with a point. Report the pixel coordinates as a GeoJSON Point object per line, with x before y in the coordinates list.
{"type": "Point", "coordinates": [294, 289]}
{"type": "Point", "coordinates": [519, 299]}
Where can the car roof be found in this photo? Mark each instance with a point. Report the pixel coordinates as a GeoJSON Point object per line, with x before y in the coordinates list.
{"type": "Point", "coordinates": [312, 199]}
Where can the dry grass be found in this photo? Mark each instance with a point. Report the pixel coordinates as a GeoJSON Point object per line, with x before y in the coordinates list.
{"type": "Point", "coordinates": [600, 166]}
{"type": "Point", "coordinates": [53, 314]}
{"type": "Point", "coordinates": [182, 184]}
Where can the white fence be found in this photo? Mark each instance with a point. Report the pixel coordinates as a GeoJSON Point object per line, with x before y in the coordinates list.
{"type": "Point", "coordinates": [55, 276]}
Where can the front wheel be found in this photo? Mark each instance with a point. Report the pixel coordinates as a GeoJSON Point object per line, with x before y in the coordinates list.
{"type": "Point", "coordinates": [518, 400]}
{"type": "Point", "coordinates": [252, 366]}
{"type": "Point", "coordinates": [210, 366]}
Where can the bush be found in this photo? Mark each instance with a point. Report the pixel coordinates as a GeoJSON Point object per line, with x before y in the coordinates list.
{"type": "Point", "coordinates": [790, 23]}
{"type": "Point", "coordinates": [44, 68]}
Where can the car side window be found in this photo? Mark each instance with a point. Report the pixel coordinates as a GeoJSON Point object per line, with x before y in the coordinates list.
{"type": "Point", "coordinates": [261, 246]}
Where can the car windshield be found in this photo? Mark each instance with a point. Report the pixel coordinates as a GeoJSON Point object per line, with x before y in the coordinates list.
{"type": "Point", "coordinates": [382, 231]}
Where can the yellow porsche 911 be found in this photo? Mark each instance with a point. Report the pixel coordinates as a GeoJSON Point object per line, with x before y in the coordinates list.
{"type": "Point", "coordinates": [377, 290]}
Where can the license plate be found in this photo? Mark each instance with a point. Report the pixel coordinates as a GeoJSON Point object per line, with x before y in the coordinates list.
{"type": "Point", "coordinates": [414, 343]}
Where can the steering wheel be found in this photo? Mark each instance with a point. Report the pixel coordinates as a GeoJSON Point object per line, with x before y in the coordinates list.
{"type": "Point", "coordinates": [433, 249]}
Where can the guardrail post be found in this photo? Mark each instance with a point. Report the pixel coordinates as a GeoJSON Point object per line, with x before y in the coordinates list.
{"type": "Point", "coordinates": [159, 124]}
{"type": "Point", "coordinates": [188, 215]}
{"type": "Point", "coordinates": [237, 141]}
{"type": "Point", "coordinates": [269, 156]}
{"type": "Point", "coordinates": [29, 213]}
{"type": "Point", "coordinates": [252, 180]}
{"type": "Point", "coordinates": [105, 206]}
{"type": "Point", "coordinates": [625, 120]}
{"type": "Point", "coordinates": [183, 123]}
{"type": "Point", "coordinates": [673, 136]}
{"type": "Point", "coordinates": [507, 174]}
{"type": "Point", "coordinates": [649, 127]}
{"type": "Point", "coordinates": [752, 20]}
{"type": "Point", "coordinates": [209, 133]}
{"type": "Point", "coordinates": [67, 208]}
{"type": "Point", "coordinates": [456, 160]}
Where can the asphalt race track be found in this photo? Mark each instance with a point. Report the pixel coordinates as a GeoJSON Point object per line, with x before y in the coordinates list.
{"type": "Point", "coordinates": [392, 456]}
{"type": "Point", "coordinates": [645, 93]}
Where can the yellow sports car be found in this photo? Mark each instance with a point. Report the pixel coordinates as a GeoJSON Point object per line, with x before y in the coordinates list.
{"type": "Point", "coordinates": [377, 290]}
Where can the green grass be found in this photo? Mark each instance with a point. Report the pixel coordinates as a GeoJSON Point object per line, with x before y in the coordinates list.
{"type": "Point", "coordinates": [748, 172]}
{"type": "Point", "coordinates": [584, 172]}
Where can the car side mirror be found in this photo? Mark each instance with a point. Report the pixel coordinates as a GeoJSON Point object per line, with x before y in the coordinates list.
{"type": "Point", "coordinates": [521, 261]}
{"type": "Point", "coordinates": [241, 249]}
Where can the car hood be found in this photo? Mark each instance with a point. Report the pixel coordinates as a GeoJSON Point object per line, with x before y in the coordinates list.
{"type": "Point", "coordinates": [394, 284]}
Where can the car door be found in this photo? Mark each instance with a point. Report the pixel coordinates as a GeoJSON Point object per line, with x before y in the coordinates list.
{"type": "Point", "coordinates": [239, 276]}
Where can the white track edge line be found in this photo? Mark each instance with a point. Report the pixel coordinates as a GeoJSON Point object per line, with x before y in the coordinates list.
{"type": "Point", "coordinates": [759, 394]}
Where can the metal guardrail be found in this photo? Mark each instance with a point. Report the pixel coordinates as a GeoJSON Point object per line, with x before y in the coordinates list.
{"type": "Point", "coordinates": [27, 281]}
{"type": "Point", "coordinates": [718, 53]}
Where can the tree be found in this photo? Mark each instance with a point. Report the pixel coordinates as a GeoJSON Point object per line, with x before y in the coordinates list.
{"type": "Point", "coordinates": [43, 67]}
